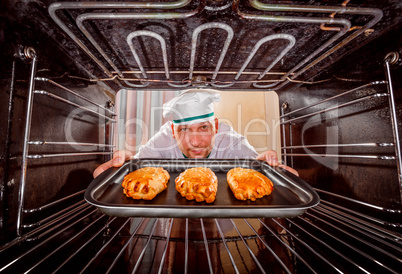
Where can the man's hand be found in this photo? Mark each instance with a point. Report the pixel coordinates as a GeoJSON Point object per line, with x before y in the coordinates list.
{"type": "Point", "coordinates": [271, 158]}
{"type": "Point", "coordinates": [119, 157]}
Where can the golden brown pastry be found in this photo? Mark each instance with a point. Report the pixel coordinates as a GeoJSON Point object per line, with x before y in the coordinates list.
{"type": "Point", "coordinates": [248, 184]}
{"type": "Point", "coordinates": [145, 183]}
{"type": "Point", "coordinates": [199, 183]}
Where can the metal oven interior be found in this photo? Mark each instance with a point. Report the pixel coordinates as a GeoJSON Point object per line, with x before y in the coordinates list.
{"type": "Point", "coordinates": [334, 61]}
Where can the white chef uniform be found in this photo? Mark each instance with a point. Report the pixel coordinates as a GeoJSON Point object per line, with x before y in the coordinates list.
{"type": "Point", "coordinates": [195, 106]}
{"type": "Point", "coordinates": [228, 145]}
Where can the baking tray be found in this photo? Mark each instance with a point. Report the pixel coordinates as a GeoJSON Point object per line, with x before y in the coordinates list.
{"type": "Point", "coordinates": [291, 196]}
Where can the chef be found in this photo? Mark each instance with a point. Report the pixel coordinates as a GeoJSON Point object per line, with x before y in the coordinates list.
{"type": "Point", "coordinates": [194, 132]}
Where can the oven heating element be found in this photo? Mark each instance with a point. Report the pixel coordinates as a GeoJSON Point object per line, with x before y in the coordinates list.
{"type": "Point", "coordinates": [113, 72]}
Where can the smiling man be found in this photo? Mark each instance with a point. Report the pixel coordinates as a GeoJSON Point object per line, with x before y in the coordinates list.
{"type": "Point", "coordinates": [194, 132]}
{"type": "Point", "coordinates": [195, 140]}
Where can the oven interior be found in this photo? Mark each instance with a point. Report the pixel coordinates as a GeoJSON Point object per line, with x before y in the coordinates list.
{"type": "Point", "coordinates": [334, 65]}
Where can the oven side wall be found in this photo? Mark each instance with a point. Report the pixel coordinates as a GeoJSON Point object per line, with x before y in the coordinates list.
{"type": "Point", "coordinates": [53, 178]}
{"type": "Point", "coordinates": [373, 181]}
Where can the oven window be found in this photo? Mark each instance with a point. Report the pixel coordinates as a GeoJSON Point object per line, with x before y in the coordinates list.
{"type": "Point", "coordinates": [253, 114]}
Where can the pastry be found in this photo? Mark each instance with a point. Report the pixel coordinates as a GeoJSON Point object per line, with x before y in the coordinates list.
{"type": "Point", "coordinates": [145, 183]}
{"type": "Point", "coordinates": [199, 183]}
{"type": "Point", "coordinates": [248, 184]}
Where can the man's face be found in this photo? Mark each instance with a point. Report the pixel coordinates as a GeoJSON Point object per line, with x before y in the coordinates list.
{"type": "Point", "coordinates": [196, 140]}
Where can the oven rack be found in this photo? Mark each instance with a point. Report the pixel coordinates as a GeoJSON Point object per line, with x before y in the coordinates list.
{"type": "Point", "coordinates": [325, 238]}
{"type": "Point", "coordinates": [30, 53]}
{"type": "Point", "coordinates": [289, 119]}
{"type": "Point", "coordinates": [104, 57]}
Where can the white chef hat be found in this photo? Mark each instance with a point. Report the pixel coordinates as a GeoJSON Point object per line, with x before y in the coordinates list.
{"type": "Point", "coordinates": [192, 106]}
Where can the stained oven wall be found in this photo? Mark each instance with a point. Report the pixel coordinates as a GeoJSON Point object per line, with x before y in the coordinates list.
{"type": "Point", "coordinates": [374, 181]}
{"type": "Point", "coordinates": [53, 178]}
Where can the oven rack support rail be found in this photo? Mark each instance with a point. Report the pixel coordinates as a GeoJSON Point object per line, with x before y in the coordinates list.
{"type": "Point", "coordinates": [388, 60]}
{"type": "Point", "coordinates": [30, 54]}
{"type": "Point", "coordinates": [285, 119]}
{"type": "Point", "coordinates": [117, 75]}
{"type": "Point", "coordinates": [335, 107]}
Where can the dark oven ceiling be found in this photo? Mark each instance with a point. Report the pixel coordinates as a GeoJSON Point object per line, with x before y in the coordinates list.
{"type": "Point", "coordinates": [267, 45]}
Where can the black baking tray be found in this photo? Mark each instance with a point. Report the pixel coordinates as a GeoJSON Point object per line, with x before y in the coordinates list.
{"type": "Point", "coordinates": [291, 195]}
